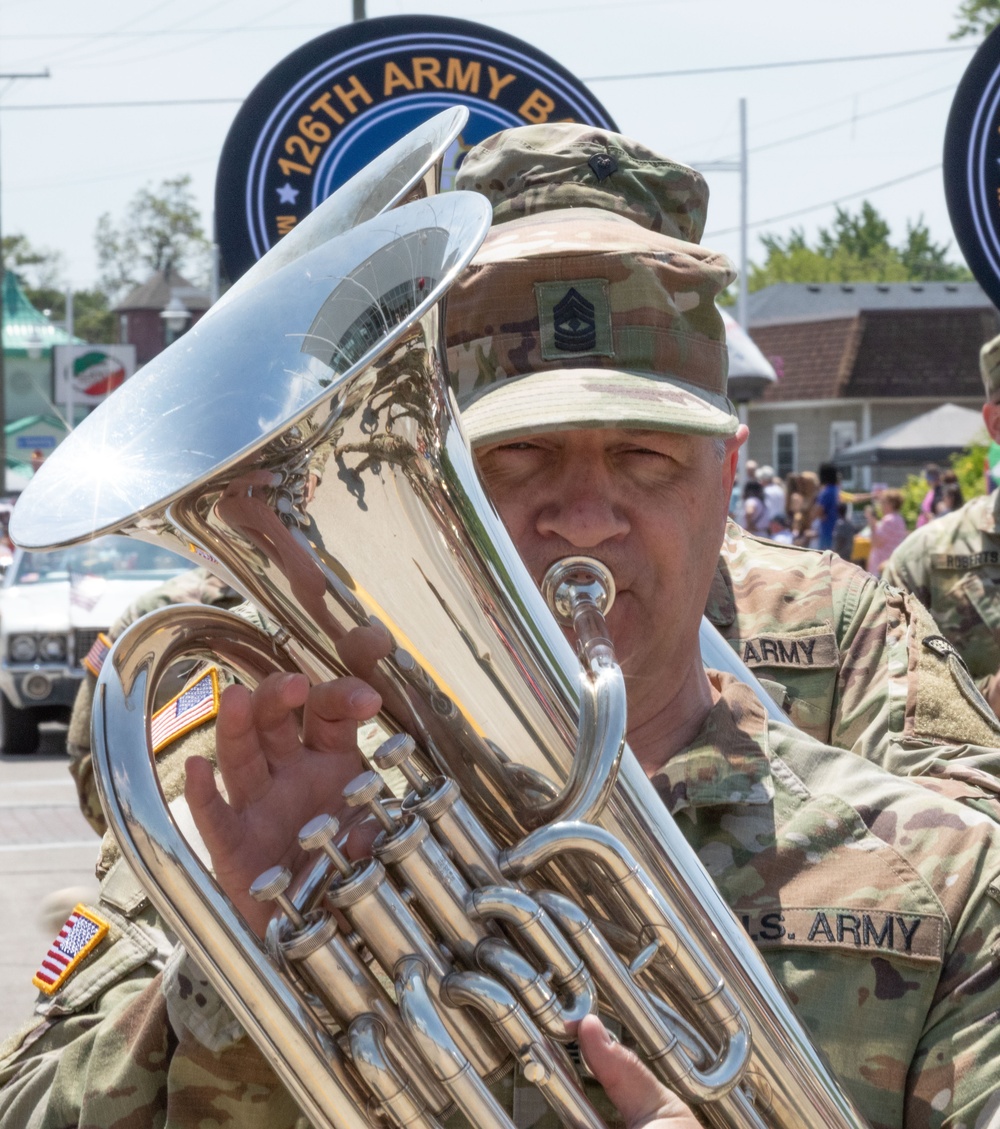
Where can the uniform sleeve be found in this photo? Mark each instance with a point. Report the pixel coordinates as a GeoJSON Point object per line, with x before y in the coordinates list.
{"type": "Point", "coordinates": [43, 1085]}
{"type": "Point", "coordinates": [129, 1067]}
{"type": "Point", "coordinates": [44, 1067]}
{"type": "Point", "coordinates": [906, 569]}
{"type": "Point", "coordinates": [953, 1078]}
{"type": "Point", "coordinates": [81, 765]}
{"type": "Point", "coordinates": [861, 706]}
{"type": "Point", "coordinates": [902, 690]}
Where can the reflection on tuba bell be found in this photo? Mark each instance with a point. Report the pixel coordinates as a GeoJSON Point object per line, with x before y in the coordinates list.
{"type": "Point", "coordinates": [302, 441]}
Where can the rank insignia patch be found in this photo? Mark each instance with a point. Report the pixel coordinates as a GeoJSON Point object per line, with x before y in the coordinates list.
{"type": "Point", "coordinates": [81, 934]}
{"type": "Point", "coordinates": [575, 331]}
{"type": "Point", "coordinates": [574, 318]}
{"type": "Point", "coordinates": [603, 165]}
{"type": "Point", "coordinates": [197, 703]}
{"type": "Point", "coordinates": [94, 658]}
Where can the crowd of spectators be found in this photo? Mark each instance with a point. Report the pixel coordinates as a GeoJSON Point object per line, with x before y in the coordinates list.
{"type": "Point", "coordinates": [808, 509]}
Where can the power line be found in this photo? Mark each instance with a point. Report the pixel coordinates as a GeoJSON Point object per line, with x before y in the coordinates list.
{"type": "Point", "coordinates": [92, 53]}
{"type": "Point", "coordinates": [828, 203]}
{"type": "Point", "coordinates": [120, 105]}
{"type": "Point", "coordinates": [843, 121]}
{"type": "Point", "coordinates": [172, 50]}
{"type": "Point", "coordinates": [594, 78]}
{"type": "Point", "coordinates": [92, 35]}
{"type": "Point", "coordinates": [756, 149]}
{"type": "Point", "coordinates": [780, 63]}
{"type": "Point", "coordinates": [856, 118]}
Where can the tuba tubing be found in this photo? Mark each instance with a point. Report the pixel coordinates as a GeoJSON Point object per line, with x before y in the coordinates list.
{"type": "Point", "coordinates": [179, 884]}
{"type": "Point", "coordinates": [307, 1059]}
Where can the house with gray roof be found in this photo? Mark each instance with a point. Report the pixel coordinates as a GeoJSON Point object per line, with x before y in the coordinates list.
{"type": "Point", "coordinates": [141, 313]}
{"type": "Point", "coordinates": [854, 359]}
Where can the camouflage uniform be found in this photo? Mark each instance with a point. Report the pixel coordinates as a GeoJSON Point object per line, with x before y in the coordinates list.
{"type": "Point", "coordinates": [855, 663]}
{"type": "Point", "coordinates": [952, 564]}
{"type": "Point", "coordinates": [198, 586]}
{"type": "Point", "coordinates": [873, 901]}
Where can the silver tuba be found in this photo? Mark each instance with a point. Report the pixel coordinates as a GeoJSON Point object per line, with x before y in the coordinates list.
{"type": "Point", "coordinates": [303, 442]}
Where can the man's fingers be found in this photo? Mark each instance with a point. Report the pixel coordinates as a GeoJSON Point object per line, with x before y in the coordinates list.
{"type": "Point", "coordinates": [258, 733]}
{"type": "Point", "coordinates": [632, 1089]}
{"type": "Point", "coordinates": [217, 823]}
{"type": "Point", "coordinates": [332, 712]}
{"type": "Point", "coordinates": [241, 757]}
{"type": "Point", "coordinates": [276, 703]}
{"type": "Point", "coordinates": [361, 837]}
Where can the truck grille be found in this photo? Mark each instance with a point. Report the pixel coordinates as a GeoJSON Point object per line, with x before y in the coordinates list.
{"type": "Point", "coordinates": [83, 640]}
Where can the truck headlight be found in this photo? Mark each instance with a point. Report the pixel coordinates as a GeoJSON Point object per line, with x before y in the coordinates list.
{"type": "Point", "coordinates": [52, 648]}
{"type": "Point", "coordinates": [23, 648]}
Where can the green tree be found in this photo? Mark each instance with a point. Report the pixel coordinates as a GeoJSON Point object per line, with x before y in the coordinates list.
{"type": "Point", "coordinates": [969, 465]}
{"type": "Point", "coordinates": [976, 17]}
{"type": "Point", "coordinates": [36, 267]}
{"type": "Point", "coordinates": [162, 228]}
{"type": "Point", "coordinates": [855, 248]}
{"type": "Point", "coordinates": [93, 318]}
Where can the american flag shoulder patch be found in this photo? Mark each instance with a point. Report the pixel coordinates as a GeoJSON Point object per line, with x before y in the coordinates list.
{"type": "Point", "coordinates": [83, 932]}
{"type": "Point", "coordinates": [197, 703]}
{"type": "Point", "coordinates": [93, 660]}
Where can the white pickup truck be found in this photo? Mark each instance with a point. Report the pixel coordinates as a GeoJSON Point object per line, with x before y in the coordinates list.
{"type": "Point", "coordinates": [52, 607]}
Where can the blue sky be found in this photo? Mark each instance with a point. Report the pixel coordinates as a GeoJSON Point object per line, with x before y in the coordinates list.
{"type": "Point", "coordinates": [818, 133]}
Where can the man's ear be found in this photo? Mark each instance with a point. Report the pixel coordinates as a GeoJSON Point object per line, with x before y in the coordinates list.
{"type": "Point", "coordinates": [731, 459]}
{"type": "Point", "coordinates": [991, 417]}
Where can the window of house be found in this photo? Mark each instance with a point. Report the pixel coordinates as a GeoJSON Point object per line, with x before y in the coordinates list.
{"type": "Point", "coordinates": [123, 328]}
{"type": "Point", "coordinates": [843, 434]}
{"type": "Point", "coordinates": [786, 449]}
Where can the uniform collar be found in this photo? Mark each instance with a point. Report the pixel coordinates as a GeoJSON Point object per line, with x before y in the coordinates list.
{"type": "Point", "coordinates": [720, 608]}
{"type": "Point", "coordinates": [986, 513]}
{"type": "Point", "coordinates": [729, 761]}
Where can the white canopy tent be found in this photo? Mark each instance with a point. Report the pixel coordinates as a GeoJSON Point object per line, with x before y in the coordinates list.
{"type": "Point", "coordinates": [931, 437]}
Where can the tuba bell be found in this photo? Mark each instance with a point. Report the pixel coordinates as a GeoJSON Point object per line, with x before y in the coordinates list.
{"type": "Point", "coordinates": [303, 442]}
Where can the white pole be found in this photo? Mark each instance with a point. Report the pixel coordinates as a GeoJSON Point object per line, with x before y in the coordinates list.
{"type": "Point", "coordinates": [70, 404]}
{"type": "Point", "coordinates": [743, 316]}
{"type": "Point", "coordinates": [741, 299]}
{"type": "Point", "coordinates": [215, 285]}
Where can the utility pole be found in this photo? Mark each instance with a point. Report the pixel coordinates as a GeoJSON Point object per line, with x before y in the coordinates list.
{"type": "Point", "coordinates": [12, 76]}
{"type": "Point", "coordinates": [359, 10]}
{"type": "Point", "coordinates": [742, 315]}
{"type": "Point", "coordinates": [740, 166]}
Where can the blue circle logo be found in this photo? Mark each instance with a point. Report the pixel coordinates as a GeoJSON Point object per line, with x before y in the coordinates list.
{"type": "Point", "coordinates": [972, 165]}
{"type": "Point", "coordinates": [338, 101]}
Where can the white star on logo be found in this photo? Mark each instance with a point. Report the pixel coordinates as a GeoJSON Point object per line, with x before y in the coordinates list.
{"type": "Point", "coordinates": [287, 194]}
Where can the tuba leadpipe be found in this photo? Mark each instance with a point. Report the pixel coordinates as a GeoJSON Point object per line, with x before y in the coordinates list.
{"type": "Point", "coordinates": [304, 442]}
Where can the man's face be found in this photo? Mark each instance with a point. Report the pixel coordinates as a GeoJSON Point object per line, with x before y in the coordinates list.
{"type": "Point", "coordinates": [650, 504]}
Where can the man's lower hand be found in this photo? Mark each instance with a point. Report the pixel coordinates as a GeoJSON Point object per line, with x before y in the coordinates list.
{"type": "Point", "coordinates": [642, 1101]}
{"type": "Point", "coordinates": [285, 753]}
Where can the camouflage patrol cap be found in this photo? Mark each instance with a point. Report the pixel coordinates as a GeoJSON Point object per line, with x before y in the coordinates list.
{"type": "Point", "coordinates": [989, 367]}
{"type": "Point", "coordinates": [537, 168]}
{"type": "Point", "coordinates": [581, 318]}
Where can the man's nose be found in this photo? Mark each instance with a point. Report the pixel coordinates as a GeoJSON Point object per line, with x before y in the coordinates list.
{"type": "Point", "coordinates": [584, 510]}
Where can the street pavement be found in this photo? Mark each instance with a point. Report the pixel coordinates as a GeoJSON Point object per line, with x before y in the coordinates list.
{"type": "Point", "coordinates": [47, 856]}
